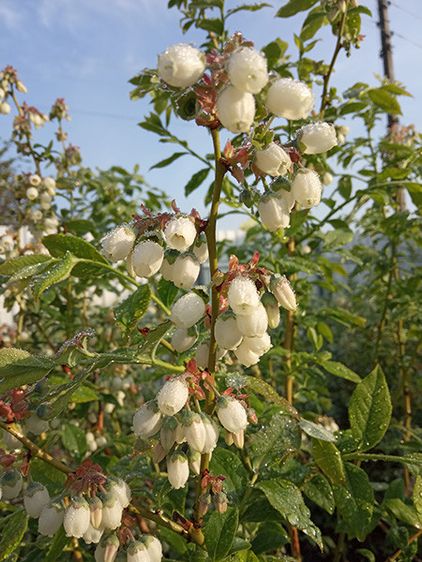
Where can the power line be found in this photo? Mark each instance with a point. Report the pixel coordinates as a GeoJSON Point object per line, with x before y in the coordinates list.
{"type": "Point", "coordinates": [405, 10]}
{"type": "Point", "coordinates": [400, 36]}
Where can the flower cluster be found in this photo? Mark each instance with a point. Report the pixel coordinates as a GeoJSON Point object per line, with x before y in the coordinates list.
{"type": "Point", "coordinates": [167, 244]}
{"type": "Point", "coordinates": [92, 507]}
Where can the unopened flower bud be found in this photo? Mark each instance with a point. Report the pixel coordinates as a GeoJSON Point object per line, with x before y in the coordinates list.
{"type": "Point", "coordinates": [177, 470]}
{"type": "Point", "coordinates": [273, 160]}
{"type": "Point", "coordinates": [21, 87]}
{"type": "Point", "coordinates": [236, 110]}
{"type": "Point", "coordinates": [247, 70]}
{"type": "Point", "coordinates": [211, 434]}
{"type": "Point", "coordinates": [118, 243]}
{"type": "Point", "coordinates": [227, 334]}
{"type": "Point", "coordinates": [146, 258]}
{"type": "Point", "coordinates": [36, 497]}
{"type": "Point", "coordinates": [107, 549]}
{"type": "Point", "coordinates": [181, 65]}
{"type": "Point", "coordinates": [173, 396]}
{"type": "Point", "coordinates": [220, 502]}
{"type": "Point", "coordinates": [76, 518]}
{"type": "Point", "coordinates": [239, 439]}
{"type": "Point", "coordinates": [180, 233]}
{"type": "Point", "coordinates": [228, 438]}
{"type": "Point", "coordinates": [11, 483]}
{"type": "Point", "coordinates": [185, 271]}
{"type": "Point", "coordinates": [50, 185]}
{"type": "Point", "coordinates": [306, 188]}
{"type": "Point", "coordinates": [231, 413]}
{"type": "Point", "coordinates": [283, 292]}
{"type": "Point", "coordinates": [158, 453]}
{"type": "Point", "coordinates": [318, 137]}
{"type": "Point", "coordinates": [96, 511]}
{"type": "Point", "coordinates": [242, 295]}
{"type": "Point", "coordinates": [168, 433]}
{"type": "Point", "coordinates": [203, 505]}
{"type": "Point", "coordinates": [51, 519]}
{"type": "Point", "coordinates": [290, 99]}
{"type": "Point", "coordinates": [187, 310]}
{"type": "Point", "coordinates": [272, 309]}
{"type": "Point", "coordinates": [327, 178]}
{"type": "Point", "coordinates": [147, 420]}
{"type": "Point", "coordinates": [183, 339]}
{"type": "Point", "coordinates": [195, 461]}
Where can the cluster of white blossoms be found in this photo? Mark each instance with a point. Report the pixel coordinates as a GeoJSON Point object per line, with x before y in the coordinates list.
{"type": "Point", "coordinates": [94, 518]}
{"type": "Point", "coordinates": [182, 65]}
{"type": "Point", "coordinates": [183, 434]}
{"type": "Point", "coordinates": [176, 252]}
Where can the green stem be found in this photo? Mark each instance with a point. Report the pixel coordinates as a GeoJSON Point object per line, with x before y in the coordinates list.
{"type": "Point", "coordinates": [211, 235]}
{"type": "Point", "coordinates": [168, 366]}
{"type": "Point", "coordinates": [381, 457]}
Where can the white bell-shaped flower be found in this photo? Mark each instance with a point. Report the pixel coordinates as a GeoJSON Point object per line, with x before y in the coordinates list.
{"type": "Point", "coordinates": [273, 212]}
{"type": "Point", "coordinates": [211, 435]}
{"type": "Point", "coordinates": [184, 339]}
{"type": "Point", "coordinates": [147, 420]}
{"type": "Point", "coordinates": [173, 396]}
{"type": "Point", "coordinates": [93, 535]}
{"type": "Point", "coordinates": [180, 233]}
{"type": "Point", "coordinates": [290, 99]}
{"type": "Point", "coordinates": [247, 70]}
{"type": "Point", "coordinates": [318, 137]}
{"type": "Point", "coordinates": [200, 249]}
{"type": "Point", "coordinates": [146, 258]}
{"type": "Point", "coordinates": [121, 490]}
{"type": "Point", "coordinates": [231, 413]}
{"type": "Point", "coordinates": [242, 295]}
{"type": "Point", "coordinates": [259, 344]}
{"type": "Point", "coordinates": [154, 548]}
{"type": "Point", "coordinates": [36, 497]}
{"type": "Point", "coordinates": [112, 511]}
{"type": "Point", "coordinates": [32, 193]}
{"type": "Point", "coordinates": [168, 433]}
{"type": "Point", "coordinates": [181, 65]}
{"type": "Point", "coordinates": [76, 518]}
{"type": "Point", "coordinates": [195, 432]}
{"type": "Point", "coordinates": [236, 110]}
{"type": "Point", "coordinates": [185, 271]}
{"type": "Point", "coordinates": [118, 243]}
{"type": "Point", "coordinates": [51, 519]}
{"type": "Point", "coordinates": [227, 334]}
{"type": "Point", "coordinates": [254, 324]}
{"type": "Point", "coordinates": [187, 310]}
{"type": "Point", "coordinates": [273, 160]}
{"type": "Point", "coordinates": [272, 308]}
{"type": "Point", "coordinates": [11, 483]}
{"type": "Point", "coordinates": [177, 470]}
{"type": "Point", "coordinates": [306, 188]}
{"type": "Point", "coordinates": [283, 292]}
{"type": "Point", "coordinates": [245, 355]}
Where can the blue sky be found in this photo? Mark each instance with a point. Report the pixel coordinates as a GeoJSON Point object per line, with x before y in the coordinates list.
{"type": "Point", "coordinates": [86, 50]}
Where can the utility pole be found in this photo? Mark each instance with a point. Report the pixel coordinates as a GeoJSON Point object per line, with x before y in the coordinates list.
{"type": "Point", "coordinates": [387, 59]}
{"type": "Point", "coordinates": [386, 50]}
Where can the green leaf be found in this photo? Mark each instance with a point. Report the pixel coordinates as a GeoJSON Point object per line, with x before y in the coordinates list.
{"type": "Point", "coordinates": [167, 291]}
{"type": "Point", "coordinates": [18, 367]}
{"type": "Point", "coordinates": [406, 513]}
{"type": "Point", "coordinates": [286, 498]}
{"type": "Point", "coordinates": [316, 430]}
{"type": "Point", "coordinates": [57, 546]}
{"type": "Point", "coordinates": [417, 494]}
{"type": "Point", "coordinates": [340, 370]}
{"type": "Point", "coordinates": [226, 462]}
{"type": "Point", "coordinates": [74, 439]}
{"type": "Point", "coordinates": [370, 410]}
{"type": "Point", "coordinates": [153, 338]}
{"type": "Point", "coordinates": [134, 307]}
{"type": "Point", "coordinates": [355, 502]}
{"type": "Point", "coordinates": [14, 527]}
{"type": "Point", "coordinates": [220, 530]}
{"type": "Point", "coordinates": [384, 100]}
{"type": "Point", "coordinates": [258, 386]}
{"type": "Point", "coordinates": [52, 478]}
{"type": "Point", "coordinates": [274, 51]}
{"type": "Point", "coordinates": [293, 7]}
{"type": "Point", "coordinates": [248, 8]}
{"type": "Point", "coordinates": [269, 537]}
{"type": "Point", "coordinates": [279, 437]}
{"type": "Point", "coordinates": [320, 492]}
{"type": "Point", "coordinates": [14, 265]}
{"type": "Point", "coordinates": [196, 180]}
{"type": "Point", "coordinates": [59, 244]}
{"type": "Point", "coordinates": [84, 394]}
{"type": "Point", "coordinates": [168, 161]}
{"type": "Point", "coordinates": [328, 459]}
{"type": "Point", "coordinates": [59, 272]}
{"type": "Point", "coordinates": [343, 316]}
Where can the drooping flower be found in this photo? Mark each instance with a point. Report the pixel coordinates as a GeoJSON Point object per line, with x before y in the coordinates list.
{"type": "Point", "coordinates": [247, 70]}
{"type": "Point", "coordinates": [187, 310]}
{"type": "Point", "coordinates": [180, 233]}
{"type": "Point", "coordinates": [236, 109]}
{"type": "Point", "coordinates": [232, 414]}
{"type": "Point", "coordinates": [318, 137]}
{"type": "Point", "coordinates": [273, 160]}
{"type": "Point", "coordinates": [306, 188]}
{"type": "Point", "coordinates": [118, 243]}
{"type": "Point", "coordinates": [173, 396]}
{"type": "Point", "coordinates": [181, 65]}
{"type": "Point", "coordinates": [290, 99]}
